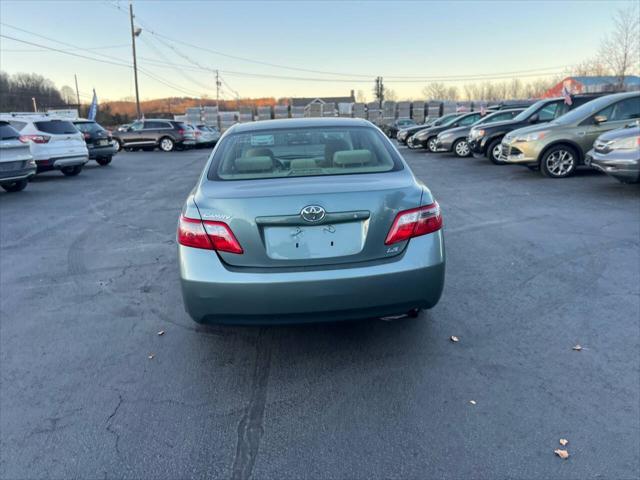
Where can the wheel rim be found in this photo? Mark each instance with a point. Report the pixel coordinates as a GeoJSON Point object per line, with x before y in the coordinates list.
{"type": "Point", "coordinates": [497, 150]}
{"type": "Point", "coordinates": [166, 144]}
{"type": "Point", "coordinates": [560, 163]}
{"type": "Point", "coordinates": [432, 145]}
{"type": "Point", "coordinates": [462, 149]}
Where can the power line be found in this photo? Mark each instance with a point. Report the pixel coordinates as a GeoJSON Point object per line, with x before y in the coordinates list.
{"type": "Point", "coordinates": [396, 78]}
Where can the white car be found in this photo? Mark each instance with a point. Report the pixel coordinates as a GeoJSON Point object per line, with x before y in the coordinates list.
{"type": "Point", "coordinates": [16, 162]}
{"type": "Point", "coordinates": [206, 136]}
{"type": "Point", "coordinates": [56, 144]}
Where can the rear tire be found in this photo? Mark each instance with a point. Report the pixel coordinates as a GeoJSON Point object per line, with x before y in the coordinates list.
{"type": "Point", "coordinates": [16, 186]}
{"type": "Point", "coordinates": [104, 161]}
{"type": "Point", "coordinates": [559, 162]}
{"type": "Point", "coordinates": [119, 145]}
{"type": "Point", "coordinates": [493, 151]}
{"type": "Point", "coordinates": [166, 144]}
{"type": "Point", "coordinates": [461, 148]}
{"type": "Point", "coordinates": [71, 171]}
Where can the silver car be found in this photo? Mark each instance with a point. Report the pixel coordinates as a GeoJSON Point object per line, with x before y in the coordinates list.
{"type": "Point", "coordinates": [16, 162]}
{"type": "Point", "coordinates": [206, 136]}
{"type": "Point", "coordinates": [304, 220]}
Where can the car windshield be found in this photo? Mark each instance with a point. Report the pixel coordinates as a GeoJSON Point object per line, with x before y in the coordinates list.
{"type": "Point", "coordinates": [522, 116]}
{"type": "Point", "coordinates": [56, 127]}
{"type": "Point", "coordinates": [300, 152]}
{"type": "Point", "coordinates": [88, 127]}
{"type": "Point", "coordinates": [445, 120]}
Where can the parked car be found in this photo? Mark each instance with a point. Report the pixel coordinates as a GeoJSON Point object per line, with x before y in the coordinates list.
{"type": "Point", "coordinates": [559, 147]}
{"type": "Point", "coordinates": [206, 136]}
{"type": "Point", "coordinates": [16, 162]}
{"type": "Point", "coordinates": [406, 133]}
{"type": "Point", "coordinates": [485, 141]}
{"type": "Point", "coordinates": [55, 143]}
{"type": "Point", "coordinates": [617, 153]}
{"type": "Point", "coordinates": [455, 139]}
{"type": "Point", "coordinates": [151, 133]}
{"type": "Point", "coordinates": [100, 143]}
{"type": "Point", "coordinates": [333, 228]}
{"type": "Point", "coordinates": [427, 138]}
{"type": "Point", "coordinates": [397, 125]}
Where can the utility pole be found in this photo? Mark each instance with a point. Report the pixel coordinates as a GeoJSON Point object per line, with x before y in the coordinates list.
{"type": "Point", "coordinates": [378, 91]}
{"type": "Point", "coordinates": [35, 107]}
{"type": "Point", "coordinates": [77, 92]}
{"type": "Point", "coordinates": [134, 34]}
{"type": "Point", "coordinates": [218, 83]}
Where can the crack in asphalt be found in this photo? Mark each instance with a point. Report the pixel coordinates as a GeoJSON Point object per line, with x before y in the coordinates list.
{"type": "Point", "coordinates": [108, 422]}
{"type": "Point", "coordinates": [250, 428]}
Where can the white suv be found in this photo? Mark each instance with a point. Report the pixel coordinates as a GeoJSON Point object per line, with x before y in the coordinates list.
{"type": "Point", "coordinates": [55, 142]}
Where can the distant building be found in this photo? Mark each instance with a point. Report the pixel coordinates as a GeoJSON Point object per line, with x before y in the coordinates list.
{"type": "Point", "coordinates": [592, 85]}
{"type": "Point", "coordinates": [306, 101]}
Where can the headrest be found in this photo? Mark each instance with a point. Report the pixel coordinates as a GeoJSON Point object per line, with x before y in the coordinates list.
{"type": "Point", "coordinates": [303, 164]}
{"type": "Point", "coordinates": [254, 164]}
{"type": "Point", "coordinates": [346, 158]}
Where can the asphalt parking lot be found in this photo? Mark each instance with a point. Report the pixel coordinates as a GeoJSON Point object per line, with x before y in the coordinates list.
{"type": "Point", "coordinates": [88, 278]}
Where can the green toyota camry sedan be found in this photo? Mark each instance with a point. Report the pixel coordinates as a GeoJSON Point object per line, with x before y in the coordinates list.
{"type": "Point", "coordinates": [306, 220]}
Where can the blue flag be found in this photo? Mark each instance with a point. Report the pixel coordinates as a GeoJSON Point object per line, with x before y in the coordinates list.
{"type": "Point", "coordinates": [93, 110]}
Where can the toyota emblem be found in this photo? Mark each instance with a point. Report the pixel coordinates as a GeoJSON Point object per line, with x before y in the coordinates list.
{"type": "Point", "coordinates": [312, 213]}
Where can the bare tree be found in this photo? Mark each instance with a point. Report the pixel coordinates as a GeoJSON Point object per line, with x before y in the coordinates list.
{"type": "Point", "coordinates": [390, 95]}
{"type": "Point", "coordinates": [435, 91]}
{"type": "Point", "coordinates": [620, 50]}
{"type": "Point", "coordinates": [360, 97]}
{"type": "Point", "coordinates": [68, 95]}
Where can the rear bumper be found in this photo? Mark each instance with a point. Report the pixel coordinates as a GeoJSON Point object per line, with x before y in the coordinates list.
{"type": "Point", "coordinates": [15, 175]}
{"type": "Point", "coordinates": [53, 163]}
{"type": "Point", "coordinates": [103, 151]}
{"type": "Point", "coordinates": [214, 293]}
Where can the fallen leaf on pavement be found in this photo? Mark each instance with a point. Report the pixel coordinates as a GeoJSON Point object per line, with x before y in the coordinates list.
{"type": "Point", "coordinates": [561, 453]}
{"type": "Point", "coordinates": [563, 441]}
{"type": "Point", "coordinates": [577, 348]}
{"type": "Point", "coordinates": [454, 339]}
{"type": "Point", "coordinates": [150, 357]}
{"type": "Point", "coordinates": [161, 332]}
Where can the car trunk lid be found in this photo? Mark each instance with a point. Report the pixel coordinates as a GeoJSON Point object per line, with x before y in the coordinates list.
{"type": "Point", "coordinates": [266, 216]}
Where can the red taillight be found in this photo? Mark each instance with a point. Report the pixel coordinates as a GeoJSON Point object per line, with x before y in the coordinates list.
{"type": "Point", "coordinates": [415, 222]}
{"type": "Point", "coordinates": [37, 138]}
{"type": "Point", "coordinates": [181, 131]}
{"type": "Point", "coordinates": [23, 139]}
{"type": "Point", "coordinates": [208, 235]}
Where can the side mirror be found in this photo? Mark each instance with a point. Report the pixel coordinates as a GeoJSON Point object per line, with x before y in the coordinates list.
{"type": "Point", "coordinates": [598, 119]}
{"type": "Point", "coordinates": [534, 118]}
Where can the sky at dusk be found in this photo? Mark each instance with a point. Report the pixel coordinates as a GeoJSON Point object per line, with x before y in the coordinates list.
{"type": "Point", "coordinates": [358, 40]}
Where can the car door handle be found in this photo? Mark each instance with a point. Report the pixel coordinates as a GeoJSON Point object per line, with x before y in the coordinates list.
{"type": "Point", "coordinates": [582, 134]}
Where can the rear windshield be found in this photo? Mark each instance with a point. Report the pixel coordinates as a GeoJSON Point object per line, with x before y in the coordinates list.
{"type": "Point", "coordinates": [59, 127]}
{"type": "Point", "coordinates": [300, 152]}
{"type": "Point", "coordinates": [7, 132]}
{"type": "Point", "coordinates": [88, 127]}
